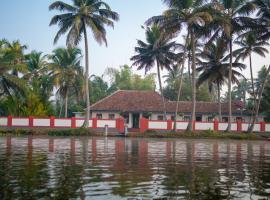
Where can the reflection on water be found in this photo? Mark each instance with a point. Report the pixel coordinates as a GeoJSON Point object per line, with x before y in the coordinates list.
{"type": "Point", "coordinates": [120, 168]}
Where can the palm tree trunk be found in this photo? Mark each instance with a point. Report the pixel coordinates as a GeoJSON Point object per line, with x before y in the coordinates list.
{"type": "Point", "coordinates": [230, 90]}
{"type": "Point", "coordinates": [193, 66]}
{"type": "Point", "coordinates": [259, 101]}
{"type": "Point", "coordinates": [253, 88]}
{"type": "Point", "coordinates": [180, 84]}
{"type": "Point", "coordinates": [66, 104]}
{"type": "Point", "coordinates": [87, 111]}
{"type": "Point", "coordinates": [161, 92]}
{"type": "Point", "coordinates": [219, 104]}
{"type": "Point", "coordinates": [61, 107]}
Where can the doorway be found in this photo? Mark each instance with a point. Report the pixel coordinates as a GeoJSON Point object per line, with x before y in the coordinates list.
{"type": "Point", "coordinates": [135, 120]}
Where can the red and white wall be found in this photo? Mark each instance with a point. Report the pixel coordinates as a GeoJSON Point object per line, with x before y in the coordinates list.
{"type": "Point", "coordinates": [118, 124]}
{"type": "Point", "coordinates": [53, 122]}
{"type": "Point", "coordinates": [168, 125]}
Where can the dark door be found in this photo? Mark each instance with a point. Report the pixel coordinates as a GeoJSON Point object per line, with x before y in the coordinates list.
{"type": "Point", "coordinates": [135, 120]}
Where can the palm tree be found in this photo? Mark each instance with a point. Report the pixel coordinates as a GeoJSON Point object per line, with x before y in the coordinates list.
{"type": "Point", "coordinates": [231, 17]}
{"type": "Point", "coordinates": [249, 44]}
{"type": "Point", "coordinates": [10, 83]}
{"type": "Point", "coordinates": [189, 14]}
{"type": "Point", "coordinates": [214, 68]}
{"type": "Point", "coordinates": [38, 76]}
{"type": "Point", "coordinates": [83, 14]}
{"type": "Point", "coordinates": [157, 50]}
{"type": "Point", "coordinates": [66, 69]}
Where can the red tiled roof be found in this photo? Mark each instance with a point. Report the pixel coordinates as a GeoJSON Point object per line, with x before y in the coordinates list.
{"type": "Point", "coordinates": [151, 101]}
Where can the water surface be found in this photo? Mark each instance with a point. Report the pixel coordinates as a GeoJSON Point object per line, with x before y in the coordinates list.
{"type": "Point", "coordinates": [121, 168]}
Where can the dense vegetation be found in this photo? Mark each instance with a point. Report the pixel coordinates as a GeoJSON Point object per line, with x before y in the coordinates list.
{"type": "Point", "coordinates": [216, 38]}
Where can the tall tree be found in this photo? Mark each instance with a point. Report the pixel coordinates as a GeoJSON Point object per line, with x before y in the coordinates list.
{"type": "Point", "coordinates": [215, 67]}
{"type": "Point", "coordinates": [157, 50]}
{"type": "Point", "coordinates": [231, 17]}
{"type": "Point", "coordinates": [83, 14]}
{"type": "Point", "coordinates": [248, 44]}
{"type": "Point", "coordinates": [191, 14]}
{"type": "Point", "coordinates": [66, 70]}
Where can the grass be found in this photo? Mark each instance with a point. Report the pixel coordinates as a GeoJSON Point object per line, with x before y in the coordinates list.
{"type": "Point", "coordinates": [203, 135]}
{"type": "Point", "coordinates": [49, 132]}
{"type": "Point", "coordinates": [148, 134]}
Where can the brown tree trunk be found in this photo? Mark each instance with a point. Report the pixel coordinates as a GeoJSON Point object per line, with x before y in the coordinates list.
{"type": "Point", "coordinates": [193, 66]}
{"type": "Point", "coordinates": [219, 105]}
{"type": "Point", "coordinates": [259, 101]}
{"type": "Point", "coordinates": [161, 92]}
{"type": "Point", "coordinates": [253, 88]}
{"type": "Point", "coordinates": [180, 84]}
{"type": "Point", "coordinates": [87, 111]}
{"type": "Point", "coordinates": [230, 90]}
{"type": "Point", "coordinates": [66, 104]}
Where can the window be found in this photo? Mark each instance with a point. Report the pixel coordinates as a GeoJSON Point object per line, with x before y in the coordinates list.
{"type": "Point", "coordinates": [198, 118]}
{"type": "Point", "coordinates": [225, 119]}
{"type": "Point", "coordinates": [172, 117]}
{"type": "Point", "coordinates": [99, 116]}
{"type": "Point", "coordinates": [111, 116]}
{"type": "Point", "coordinates": [160, 117]}
{"type": "Point", "coordinates": [186, 118]}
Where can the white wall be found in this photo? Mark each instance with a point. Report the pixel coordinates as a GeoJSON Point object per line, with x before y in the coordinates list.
{"type": "Point", "coordinates": [3, 121]}
{"type": "Point", "coordinates": [157, 125]}
{"type": "Point", "coordinates": [41, 122]}
{"type": "Point", "coordinates": [62, 122]}
{"type": "Point", "coordinates": [204, 126]}
{"type": "Point", "coordinates": [20, 122]}
{"type": "Point", "coordinates": [79, 123]}
{"type": "Point", "coordinates": [103, 123]}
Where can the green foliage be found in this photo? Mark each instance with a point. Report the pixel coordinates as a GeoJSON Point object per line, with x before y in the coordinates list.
{"type": "Point", "coordinates": [125, 79]}
{"type": "Point", "coordinates": [171, 89]}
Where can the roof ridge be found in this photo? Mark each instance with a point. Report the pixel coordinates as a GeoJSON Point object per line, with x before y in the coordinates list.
{"type": "Point", "coordinates": [101, 100]}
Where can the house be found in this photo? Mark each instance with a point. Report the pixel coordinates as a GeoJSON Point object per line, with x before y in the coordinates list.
{"type": "Point", "coordinates": [132, 105]}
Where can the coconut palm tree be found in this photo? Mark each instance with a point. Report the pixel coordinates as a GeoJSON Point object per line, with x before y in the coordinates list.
{"type": "Point", "coordinates": [214, 67]}
{"type": "Point", "coordinates": [10, 65]}
{"type": "Point", "coordinates": [83, 14]}
{"type": "Point", "coordinates": [231, 18]}
{"type": "Point", "coordinates": [192, 15]}
{"type": "Point", "coordinates": [157, 50]}
{"type": "Point", "coordinates": [66, 69]}
{"type": "Point", "coordinates": [248, 44]}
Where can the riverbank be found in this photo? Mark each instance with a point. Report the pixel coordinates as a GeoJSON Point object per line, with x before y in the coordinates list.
{"type": "Point", "coordinates": [147, 134]}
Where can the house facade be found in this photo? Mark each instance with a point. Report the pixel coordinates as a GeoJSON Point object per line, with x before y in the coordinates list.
{"type": "Point", "coordinates": [133, 105]}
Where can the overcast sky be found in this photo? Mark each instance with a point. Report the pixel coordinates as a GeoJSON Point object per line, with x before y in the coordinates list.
{"type": "Point", "coordinates": [28, 21]}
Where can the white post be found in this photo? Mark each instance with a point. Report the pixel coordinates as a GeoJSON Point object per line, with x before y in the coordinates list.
{"type": "Point", "coordinates": [106, 130]}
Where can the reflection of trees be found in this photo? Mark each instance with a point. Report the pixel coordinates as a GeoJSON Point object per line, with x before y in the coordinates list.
{"type": "Point", "coordinates": [259, 172]}
{"type": "Point", "coordinates": [130, 169]}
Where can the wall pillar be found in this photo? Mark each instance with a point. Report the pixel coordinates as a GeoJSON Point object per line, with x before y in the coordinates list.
{"type": "Point", "coordinates": [9, 121]}
{"type": "Point", "coordinates": [169, 124]}
{"type": "Point", "coordinates": [239, 125]}
{"type": "Point", "coordinates": [143, 125]}
{"type": "Point", "coordinates": [94, 122]}
{"type": "Point", "coordinates": [73, 122]}
{"type": "Point", "coordinates": [262, 126]}
{"type": "Point", "coordinates": [52, 124]}
{"type": "Point", "coordinates": [31, 121]}
{"type": "Point", "coordinates": [120, 125]}
{"type": "Point", "coordinates": [216, 125]}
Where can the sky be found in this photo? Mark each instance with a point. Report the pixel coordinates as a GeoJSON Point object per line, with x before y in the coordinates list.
{"type": "Point", "coordinates": [28, 22]}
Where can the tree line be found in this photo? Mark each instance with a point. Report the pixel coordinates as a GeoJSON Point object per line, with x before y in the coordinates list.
{"type": "Point", "coordinates": [217, 36]}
